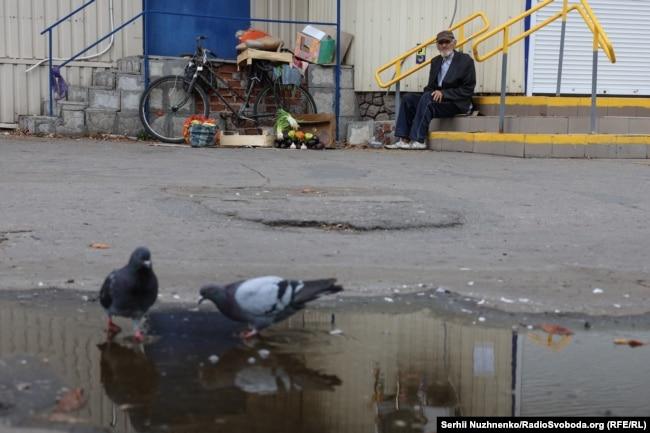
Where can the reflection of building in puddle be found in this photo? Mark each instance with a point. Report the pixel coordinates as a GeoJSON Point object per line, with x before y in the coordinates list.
{"type": "Point", "coordinates": [417, 403]}
{"type": "Point", "coordinates": [451, 367]}
{"type": "Point", "coordinates": [383, 372]}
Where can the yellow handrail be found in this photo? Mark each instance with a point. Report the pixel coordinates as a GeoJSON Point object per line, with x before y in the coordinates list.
{"type": "Point", "coordinates": [398, 61]}
{"type": "Point", "coordinates": [588, 15]}
{"type": "Point", "coordinates": [597, 29]}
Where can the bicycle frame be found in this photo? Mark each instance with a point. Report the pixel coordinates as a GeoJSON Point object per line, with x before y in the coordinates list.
{"type": "Point", "coordinates": [206, 78]}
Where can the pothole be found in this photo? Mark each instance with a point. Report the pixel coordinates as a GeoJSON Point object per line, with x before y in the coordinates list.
{"type": "Point", "coordinates": [329, 209]}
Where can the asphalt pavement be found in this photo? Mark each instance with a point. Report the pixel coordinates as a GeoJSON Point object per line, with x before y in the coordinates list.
{"type": "Point", "coordinates": [519, 234]}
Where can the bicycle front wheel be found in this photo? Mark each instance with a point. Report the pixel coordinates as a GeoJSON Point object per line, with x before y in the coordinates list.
{"type": "Point", "coordinates": [165, 105]}
{"type": "Point", "coordinates": [294, 99]}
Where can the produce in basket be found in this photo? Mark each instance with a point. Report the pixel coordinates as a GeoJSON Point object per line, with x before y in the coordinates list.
{"type": "Point", "coordinates": [196, 119]}
{"type": "Point", "coordinates": [298, 139]}
{"type": "Point", "coordinates": [283, 122]}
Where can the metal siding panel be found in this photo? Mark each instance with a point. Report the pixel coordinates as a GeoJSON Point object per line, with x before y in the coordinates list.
{"type": "Point", "coordinates": [92, 30]}
{"type": "Point", "coordinates": [20, 89]}
{"type": "Point", "coordinates": [625, 21]}
{"type": "Point", "coordinates": [7, 99]}
{"type": "Point", "coordinates": [20, 40]}
{"type": "Point", "coordinates": [382, 31]}
{"type": "Point", "coordinates": [297, 10]}
{"type": "Point", "coordinates": [34, 92]}
{"type": "Point", "coordinates": [488, 73]}
{"type": "Point", "coordinates": [131, 40]}
{"type": "Point", "coordinates": [12, 29]}
{"type": "Point", "coordinates": [4, 23]}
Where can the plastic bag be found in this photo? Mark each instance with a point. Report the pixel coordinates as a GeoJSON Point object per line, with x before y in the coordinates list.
{"type": "Point", "coordinates": [257, 39]}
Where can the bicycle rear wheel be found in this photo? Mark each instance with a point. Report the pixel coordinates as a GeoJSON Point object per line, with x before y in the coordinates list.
{"type": "Point", "coordinates": [294, 99]}
{"type": "Point", "coordinates": [165, 105]}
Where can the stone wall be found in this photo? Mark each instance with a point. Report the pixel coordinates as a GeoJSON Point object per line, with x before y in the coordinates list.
{"type": "Point", "coordinates": [376, 105]}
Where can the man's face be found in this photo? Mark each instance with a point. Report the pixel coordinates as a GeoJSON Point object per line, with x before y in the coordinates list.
{"type": "Point", "coordinates": [446, 46]}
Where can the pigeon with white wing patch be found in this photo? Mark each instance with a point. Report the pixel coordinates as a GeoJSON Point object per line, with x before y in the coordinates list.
{"type": "Point", "coordinates": [263, 301]}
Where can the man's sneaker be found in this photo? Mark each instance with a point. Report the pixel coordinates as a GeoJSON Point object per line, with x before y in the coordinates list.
{"type": "Point", "coordinates": [396, 145]}
{"type": "Point", "coordinates": [413, 145]}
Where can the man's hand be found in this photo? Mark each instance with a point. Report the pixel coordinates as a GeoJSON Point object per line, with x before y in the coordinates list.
{"type": "Point", "coordinates": [437, 95]}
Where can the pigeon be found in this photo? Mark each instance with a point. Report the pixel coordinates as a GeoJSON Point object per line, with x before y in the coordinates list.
{"type": "Point", "coordinates": [262, 301]}
{"type": "Point", "coordinates": [129, 292]}
{"type": "Point", "coordinates": [274, 373]}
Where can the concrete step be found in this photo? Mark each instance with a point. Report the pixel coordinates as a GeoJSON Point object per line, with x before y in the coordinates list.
{"type": "Point", "coordinates": [620, 146]}
{"type": "Point", "coordinates": [105, 78]}
{"type": "Point", "coordinates": [77, 94]}
{"type": "Point", "coordinates": [73, 122]}
{"type": "Point", "coordinates": [73, 105]}
{"type": "Point", "coordinates": [130, 82]}
{"type": "Point", "coordinates": [104, 98]}
{"type": "Point", "coordinates": [39, 125]}
{"type": "Point", "coordinates": [563, 106]}
{"type": "Point", "coordinates": [544, 124]}
{"type": "Point", "coordinates": [106, 121]}
{"type": "Point", "coordinates": [130, 65]}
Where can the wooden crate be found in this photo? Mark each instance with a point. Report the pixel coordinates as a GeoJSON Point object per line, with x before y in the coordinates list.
{"type": "Point", "coordinates": [250, 54]}
{"type": "Point", "coordinates": [237, 140]}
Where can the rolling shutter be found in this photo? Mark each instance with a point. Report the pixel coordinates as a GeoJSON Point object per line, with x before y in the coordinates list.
{"type": "Point", "coordinates": [627, 23]}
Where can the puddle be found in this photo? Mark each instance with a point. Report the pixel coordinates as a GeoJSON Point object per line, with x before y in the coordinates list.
{"type": "Point", "coordinates": [377, 372]}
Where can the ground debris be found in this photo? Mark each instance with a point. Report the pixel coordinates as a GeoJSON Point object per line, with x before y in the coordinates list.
{"type": "Point", "coordinates": [71, 400]}
{"type": "Point", "coordinates": [99, 246]}
{"type": "Point", "coordinates": [629, 342]}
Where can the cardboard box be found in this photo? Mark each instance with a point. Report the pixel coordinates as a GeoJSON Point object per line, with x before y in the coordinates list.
{"type": "Point", "coordinates": [323, 123]}
{"type": "Point", "coordinates": [314, 45]}
{"type": "Point", "coordinates": [346, 41]}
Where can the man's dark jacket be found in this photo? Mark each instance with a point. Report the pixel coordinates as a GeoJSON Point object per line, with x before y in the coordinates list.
{"type": "Point", "coordinates": [459, 82]}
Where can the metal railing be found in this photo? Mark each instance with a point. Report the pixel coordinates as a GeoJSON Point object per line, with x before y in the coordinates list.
{"type": "Point", "coordinates": [398, 61]}
{"type": "Point", "coordinates": [49, 29]}
{"type": "Point", "coordinates": [146, 11]}
{"type": "Point", "coordinates": [600, 40]}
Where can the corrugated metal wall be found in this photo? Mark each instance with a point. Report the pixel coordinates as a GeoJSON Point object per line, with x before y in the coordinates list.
{"type": "Point", "coordinates": [383, 29]}
{"type": "Point", "coordinates": [22, 45]}
{"type": "Point", "coordinates": [626, 24]}
{"type": "Point", "coordinates": [293, 10]}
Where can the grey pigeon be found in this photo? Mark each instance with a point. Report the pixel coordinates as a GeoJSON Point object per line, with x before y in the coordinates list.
{"type": "Point", "coordinates": [262, 301]}
{"type": "Point", "coordinates": [130, 291]}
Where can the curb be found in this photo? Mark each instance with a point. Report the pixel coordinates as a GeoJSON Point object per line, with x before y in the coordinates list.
{"type": "Point", "coordinates": [609, 146]}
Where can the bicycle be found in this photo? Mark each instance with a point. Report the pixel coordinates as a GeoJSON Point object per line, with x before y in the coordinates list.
{"type": "Point", "coordinates": [169, 100]}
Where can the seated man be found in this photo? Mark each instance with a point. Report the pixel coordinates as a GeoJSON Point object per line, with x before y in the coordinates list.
{"type": "Point", "coordinates": [452, 78]}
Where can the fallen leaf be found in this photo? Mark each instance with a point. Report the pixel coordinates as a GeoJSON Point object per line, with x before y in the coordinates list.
{"type": "Point", "coordinates": [552, 329]}
{"type": "Point", "coordinates": [99, 246]}
{"type": "Point", "coordinates": [71, 400]}
{"type": "Point", "coordinates": [631, 343]}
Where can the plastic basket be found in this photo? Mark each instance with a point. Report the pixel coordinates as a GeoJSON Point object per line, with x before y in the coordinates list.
{"type": "Point", "coordinates": [202, 135]}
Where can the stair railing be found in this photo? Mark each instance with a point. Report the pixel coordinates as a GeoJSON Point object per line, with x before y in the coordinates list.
{"type": "Point", "coordinates": [398, 61]}
{"type": "Point", "coordinates": [49, 30]}
{"type": "Point", "coordinates": [600, 40]}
